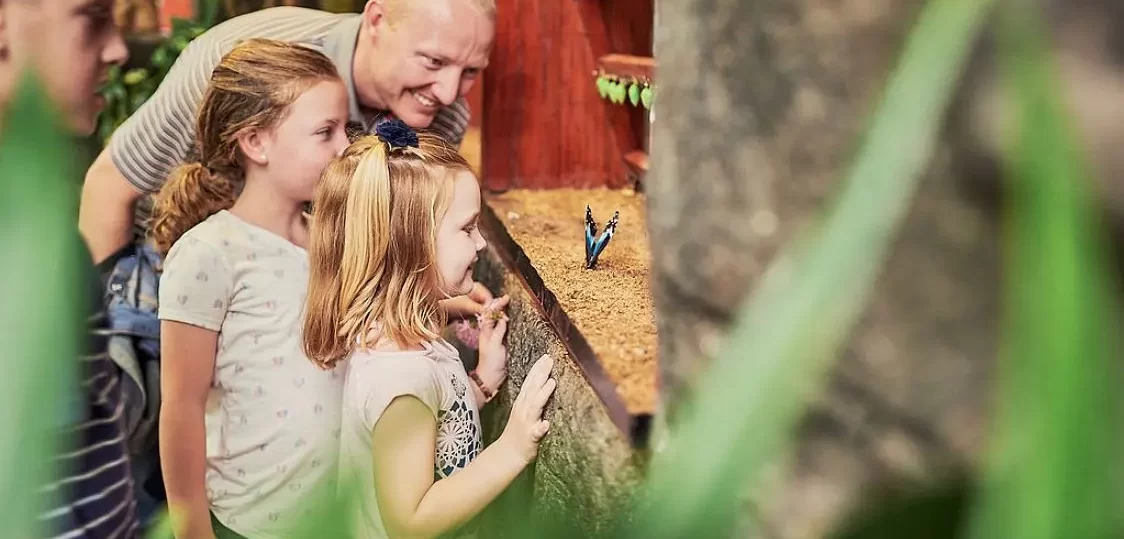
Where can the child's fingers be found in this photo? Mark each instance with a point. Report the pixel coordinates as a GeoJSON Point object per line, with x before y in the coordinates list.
{"type": "Point", "coordinates": [540, 430]}
{"type": "Point", "coordinates": [486, 324]}
{"type": "Point", "coordinates": [540, 371]}
{"type": "Point", "coordinates": [500, 328]}
{"type": "Point", "coordinates": [501, 302]}
{"type": "Point", "coordinates": [534, 380]}
{"type": "Point", "coordinates": [517, 404]}
{"type": "Point", "coordinates": [480, 293]}
{"type": "Point", "coordinates": [543, 395]}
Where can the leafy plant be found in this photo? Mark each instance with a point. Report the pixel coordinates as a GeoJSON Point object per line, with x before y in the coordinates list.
{"type": "Point", "coordinates": [127, 90]}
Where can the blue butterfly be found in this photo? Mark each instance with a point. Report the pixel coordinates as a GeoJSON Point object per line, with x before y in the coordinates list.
{"type": "Point", "coordinates": [595, 244]}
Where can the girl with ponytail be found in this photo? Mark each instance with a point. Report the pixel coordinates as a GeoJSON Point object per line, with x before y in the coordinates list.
{"type": "Point", "coordinates": [394, 234]}
{"type": "Point", "coordinates": [249, 426]}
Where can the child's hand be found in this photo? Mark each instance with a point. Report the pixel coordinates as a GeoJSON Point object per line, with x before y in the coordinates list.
{"type": "Point", "coordinates": [492, 367]}
{"type": "Point", "coordinates": [480, 293]}
{"type": "Point", "coordinates": [526, 427]}
{"type": "Point", "coordinates": [473, 303]}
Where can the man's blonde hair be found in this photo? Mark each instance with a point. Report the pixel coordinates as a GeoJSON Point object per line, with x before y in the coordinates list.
{"type": "Point", "coordinates": [372, 246]}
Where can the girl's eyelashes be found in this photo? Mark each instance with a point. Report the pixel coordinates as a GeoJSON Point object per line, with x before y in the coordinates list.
{"type": "Point", "coordinates": [472, 226]}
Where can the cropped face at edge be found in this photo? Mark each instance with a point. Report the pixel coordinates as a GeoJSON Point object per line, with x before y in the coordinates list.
{"type": "Point", "coordinates": [71, 44]}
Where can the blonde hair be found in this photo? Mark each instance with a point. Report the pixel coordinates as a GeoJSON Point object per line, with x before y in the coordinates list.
{"type": "Point", "coordinates": [372, 246]}
{"type": "Point", "coordinates": [252, 87]}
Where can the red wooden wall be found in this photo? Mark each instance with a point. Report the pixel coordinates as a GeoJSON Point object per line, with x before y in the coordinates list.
{"type": "Point", "coordinates": [544, 126]}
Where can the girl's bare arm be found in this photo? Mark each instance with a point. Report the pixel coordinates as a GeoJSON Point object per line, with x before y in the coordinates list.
{"type": "Point", "coordinates": [187, 363]}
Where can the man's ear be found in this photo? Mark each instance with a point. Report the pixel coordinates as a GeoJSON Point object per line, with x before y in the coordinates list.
{"type": "Point", "coordinates": [374, 15]}
{"type": "Point", "coordinates": [254, 146]}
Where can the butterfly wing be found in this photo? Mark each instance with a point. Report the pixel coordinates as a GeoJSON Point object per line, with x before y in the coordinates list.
{"type": "Point", "coordinates": [590, 234]}
{"type": "Point", "coordinates": [603, 240]}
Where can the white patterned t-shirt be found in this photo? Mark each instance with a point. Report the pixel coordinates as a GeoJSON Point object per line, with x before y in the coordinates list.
{"type": "Point", "coordinates": [437, 378]}
{"type": "Point", "coordinates": [272, 417]}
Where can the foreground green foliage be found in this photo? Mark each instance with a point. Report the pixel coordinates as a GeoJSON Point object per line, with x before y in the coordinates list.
{"type": "Point", "coordinates": [40, 319]}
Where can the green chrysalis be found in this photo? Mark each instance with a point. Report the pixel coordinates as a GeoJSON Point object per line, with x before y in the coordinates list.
{"type": "Point", "coordinates": [634, 94]}
{"type": "Point", "coordinates": [620, 92]}
{"type": "Point", "coordinates": [646, 97]}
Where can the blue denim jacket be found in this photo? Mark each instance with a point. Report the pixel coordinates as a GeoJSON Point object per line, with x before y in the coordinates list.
{"type": "Point", "coordinates": [131, 301]}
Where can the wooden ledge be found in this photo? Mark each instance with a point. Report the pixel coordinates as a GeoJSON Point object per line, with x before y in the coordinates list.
{"type": "Point", "coordinates": [637, 160]}
{"type": "Point", "coordinates": [626, 66]}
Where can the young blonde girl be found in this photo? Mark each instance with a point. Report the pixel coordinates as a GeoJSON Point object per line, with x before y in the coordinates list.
{"type": "Point", "coordinates": [249, 427]}
{"type": "Point", "coordinates": [393, 233]}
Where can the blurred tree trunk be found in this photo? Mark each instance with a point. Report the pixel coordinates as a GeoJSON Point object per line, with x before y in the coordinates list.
{"type": "Point", "coordinates": [759, 109]}
{"type": "Point", "coordinates": [752, 134]}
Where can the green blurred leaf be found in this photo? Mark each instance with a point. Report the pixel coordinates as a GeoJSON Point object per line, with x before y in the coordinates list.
{"type": "Point", "coordinates": [181, 25]}
{"type": "Point", "coordinates": [138, 99]}
{"type": "Point", "coordinates": [135, 76]}
{"type": "Point", "coordinates": [207, 12]}
{"type": "Point", "coordinates": [115, 91]}
{"type": "Point", "coordinates": [114, 75]}
{"type": "Point", "coordinates": [179, 43]}
{"type": "Point", "coordinates": [1053, 470]}
{"type": "Point", "coordinates": [39, 316]}
{"type": "Point", "coordinates": [161, 58]}
{"type": "Point", "coordinates": [782, 344]}
{"type": "Point", "coordinates": [162, 528]}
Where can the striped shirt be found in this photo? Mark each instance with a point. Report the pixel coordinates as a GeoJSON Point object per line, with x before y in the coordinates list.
{"type": "Point", "coordinates": [160, 135]}
{"type": "Point", "coordinates": [92, 496]}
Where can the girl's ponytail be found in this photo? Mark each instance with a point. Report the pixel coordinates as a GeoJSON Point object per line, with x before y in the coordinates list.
{"type": "Point", "coordinates": [190, 196]}
{"type": "Point", "coordinates": [347, 249]}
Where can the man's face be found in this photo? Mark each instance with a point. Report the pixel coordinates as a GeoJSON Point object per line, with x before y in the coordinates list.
{"type": "Point", "coordinates": [425, 54]}
{"type": "Point", "coordinates": [71, 44]}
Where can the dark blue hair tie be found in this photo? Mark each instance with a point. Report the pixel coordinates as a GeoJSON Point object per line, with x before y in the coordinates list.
{"type": "Point", "coordinates": [397, 134]}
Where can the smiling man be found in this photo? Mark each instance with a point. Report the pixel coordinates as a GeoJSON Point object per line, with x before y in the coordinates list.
{"type": "Point", "coordinates": [410, 59]}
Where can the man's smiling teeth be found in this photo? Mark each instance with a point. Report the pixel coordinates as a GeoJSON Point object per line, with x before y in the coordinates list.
{"type": "Point", "coordinates": [425, 101]}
